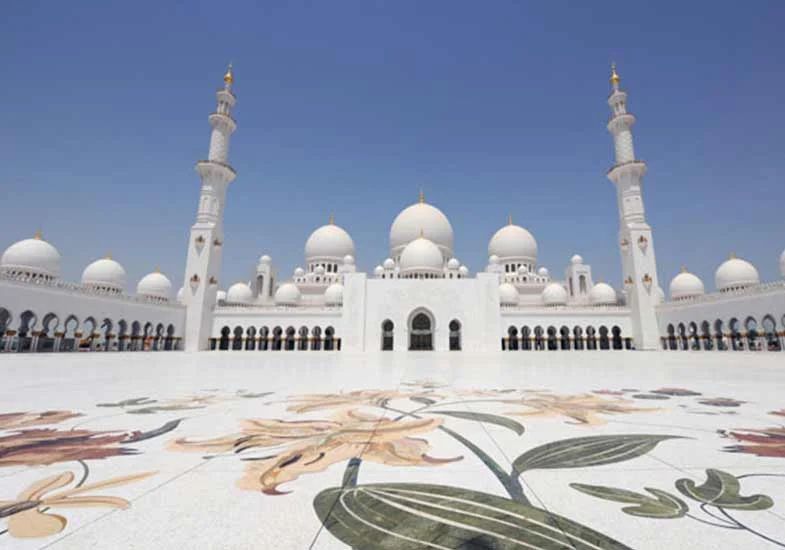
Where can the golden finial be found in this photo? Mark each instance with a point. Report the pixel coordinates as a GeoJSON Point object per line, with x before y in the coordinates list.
{"type": "Point", "coordinates": [509, 219]}
{"type": "Point", "coordinates": [615, 79]}
{"type": "Point", "coordinates": [229, 76]}
{"type": "Point", "coordinates": [108, 255]}
{"type": "Point", "coordinates": [684, 269]}
{"type": "Point", "coordinates": [38, 236]}
{"type": "Point", "coordinates": [157, 269]}
{"type": "Point", "coordinates": [732, 256]}
{"type": "Point", "coordinates": [422, 233]}
{"type": "Point", "coordinates": [422, 196]}
{"type": "Point", "coordinates": [332, 218]}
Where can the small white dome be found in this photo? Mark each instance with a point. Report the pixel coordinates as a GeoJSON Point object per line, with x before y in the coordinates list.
{"type": "Point", "coordinates": [513, 242]}
{"type": "Point", "coordinates": [287, 295]}
{"type": "Point", "coordinates": [329, 242]}
{"type": "Point", "coordinates": [417, 219]}
{"type": "Point", "coordinates": [463, 270]}
{"type": "Point", "coordinates": [333, 296]}
{"type": "Point", "coordinates": [378, 271]}
{"type": "Point", "coordinates": [543, 272]}
{"type": "Point", "coordinates": [389, 263]}
{"type": "Point", "coordinates": [554, 294]}
{"type": "Point", "coordinates": [239, 293]}
{"type": "Point", "coordinates": [686, 285]}
{"type": "Point", "coordinates": [156, 285]}
{"type": "Point", "coordinates": [319, 270]}
{"type": "Point", "coordinates": [602, 294]}
{"type": "Point", "coordinates": [735, 273]}
{"type": "Point", "coordinates": [523, 270]}
{"type": "Point", "coordinates": [180, 295]}
{"type": "Point", "coordinates": [265, 260]}
{"type": "Point", "coordinates": [104, 273]}
{"type": "Point", "coordinates": [453, 263]}
{"type": "Point", "coordinates": [508, 295]}
{"type": "Point", "coordinates": [493, 259]}
{"type": "Point", "coordinates": [348, 260]}
{"type": "Point", "coordinates": [576, 259]}
{"type": "Point", "coordinates": [220, 296]}
{"type": "Point", "coordinates": [32, 256]}
{"type": "Point", "coordinates": [299, 272]}
{"type": "Point", "coordinates": [421, 255]}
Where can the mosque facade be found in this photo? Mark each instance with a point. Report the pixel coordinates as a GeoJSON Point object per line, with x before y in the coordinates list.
{"type": "Point", "coordinates": [420, 297]}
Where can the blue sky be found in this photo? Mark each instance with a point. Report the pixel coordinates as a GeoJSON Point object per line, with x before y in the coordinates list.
{"type": "Point", "coordinates": [350, 107]}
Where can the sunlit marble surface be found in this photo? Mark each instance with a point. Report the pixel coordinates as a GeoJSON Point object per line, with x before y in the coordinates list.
{"type": "Point", "coordinates": [148, 481]}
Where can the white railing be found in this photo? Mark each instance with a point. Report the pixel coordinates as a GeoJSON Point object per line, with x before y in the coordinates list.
{"type": "Point", "coordinates": [261, 308]}
{"type": "Point", "coordinates": [775, 287]}
{"type": "Point", "coordinates": [578, 309]}
{"type": "Point", "coordinates": [80, 289]}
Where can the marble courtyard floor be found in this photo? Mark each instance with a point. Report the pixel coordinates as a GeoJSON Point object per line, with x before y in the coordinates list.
{"type": "Point", "coordinates": [600, 450]}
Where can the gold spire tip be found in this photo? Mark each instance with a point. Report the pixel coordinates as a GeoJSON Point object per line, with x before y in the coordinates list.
{"type": "Point", "coordinates": [732, 256]}
{"type": "Point", "coordinates": [422, 196]}
{"type": "Point", "coordinates": [157, 269]}
{"type": "Point", "coordinates": [38, 236]}
{"type": "Point", "coordinates": [422, 233]}
{"type": "Point", "coordinates": [615, 78]}
{"type": "Point", "coordinates": [684, 269]}
{"type": "Point", "coordinates": [332, 218]}
{"type": "Point", "coordinates": [108, 255]}
{"type": "Point", "coordinates": [229, 76]}
{"type": "Point", "coordinates": [509, 219]}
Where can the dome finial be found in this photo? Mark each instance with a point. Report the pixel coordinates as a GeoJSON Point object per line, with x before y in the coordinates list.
{"type": "Point", "coordinates": [684, 269]}
{"type": "Point", "coordinates": [108, 255]}
{"type": "Point", "coordinates": [38, 236]}
{"type": "Point", "coordinates": [229, 76]}
{"type": "Point", "coordinates": [732, 256]}
{"type": "Point", "coordinates": [615, 79]}
{"type": "Point", "coordinates": [422, 196]}
{"type": "Point", "coordinates": [332, 218]}
{"type": "Point", "coordinates": [157, 269]}
{"type": "Point", "coordinates": [509, 219]}
{"type": "Point", "coordinates": [422, 233]}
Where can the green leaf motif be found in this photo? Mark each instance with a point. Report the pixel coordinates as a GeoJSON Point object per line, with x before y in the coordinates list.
{"type": "Point", "coordinates": [503, 421]}
{"type": "Point", "coordinates": [422, 400]}
{"type": "Point", "coordinates": [664, 506]}
{"type": "Point", "coordinates": [722, 489]}
{"type": "Point", "coordinates": [166, 428]}
{"type": "Point", "coordinates": [580, 452]}
{"type": "Point", "coordinates": [413, 516]}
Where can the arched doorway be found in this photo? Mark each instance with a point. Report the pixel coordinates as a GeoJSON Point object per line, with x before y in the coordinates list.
{"type": "Point", "coordinates": [455, 335]}
{"type": "Point", "coordinates": [512, 339]}
{"type": "Point", "coordinates": [387, 335]}
{"type": "Point", "coordinates": [616, 338]}
{"type": "Point", "coordinates": [421, 332]}
{"type": "Point", "coordinates": [223, 344]}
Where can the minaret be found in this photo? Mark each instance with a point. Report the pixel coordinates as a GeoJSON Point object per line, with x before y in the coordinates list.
{"type": "Point", "coordinates": [635, 237]}
{"type": "Point", "coordinates": [203, 267]}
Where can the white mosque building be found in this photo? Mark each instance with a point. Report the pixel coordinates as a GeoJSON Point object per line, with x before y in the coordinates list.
{"type": "Point", "coordinates": [419, 297]}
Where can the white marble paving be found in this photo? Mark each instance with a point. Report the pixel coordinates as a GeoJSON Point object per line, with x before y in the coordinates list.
{"type": "Point", "coordinates": [192, 499]}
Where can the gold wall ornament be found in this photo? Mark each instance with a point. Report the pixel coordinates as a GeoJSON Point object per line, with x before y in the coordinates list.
{"type": "Point", "coordinates": [213, 281]}
{"type": "Point", "coordinates": [38, 235]}
{"type": "Point", "coordinates": [199, 240]}
{"type": "Point", "coordinates": [647, 281]}
{"type": "Point", "coordinates": [643, 242]}
{"type": "Point", "coordinates": [217, 242]}
{"type": "Point", "coordinates": [628, 281]}
{"type": "Point", "coordinates": [625, 244]}
{"type": "Point", "coordinates": [422, 196]}
{"type": "Point", "coordinates": [195, 279]}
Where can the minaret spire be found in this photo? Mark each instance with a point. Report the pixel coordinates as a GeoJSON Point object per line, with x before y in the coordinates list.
{"type": "Point", "coordinates": [203, 267]}
{"type": "Point", "coordinates": [638, 261]}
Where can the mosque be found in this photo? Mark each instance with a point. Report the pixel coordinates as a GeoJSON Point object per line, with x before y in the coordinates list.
{"type": "Point", "coordinates": [420, 297]}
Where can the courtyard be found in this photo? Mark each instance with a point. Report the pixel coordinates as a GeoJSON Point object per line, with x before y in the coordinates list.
{"type": "Point", "coordinates": [599, 450]}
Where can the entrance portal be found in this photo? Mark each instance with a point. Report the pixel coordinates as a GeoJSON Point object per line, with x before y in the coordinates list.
{"type": "Point", "coordinates": [421, 333]}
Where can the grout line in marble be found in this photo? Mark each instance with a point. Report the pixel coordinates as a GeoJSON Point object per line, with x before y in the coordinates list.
{"type": "Point", "coordinates": [110, 512]}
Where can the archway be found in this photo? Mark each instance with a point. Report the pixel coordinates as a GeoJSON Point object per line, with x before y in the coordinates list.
{"type": "Point", "coordinates": [616, 337]}
{"type": "Point", "coordinates": [122, 335]}
{"type": "Point", "coordinates": [27, 322]}
{"type": "Point", "coordinates": [329, 339]}
{"type": "Point", "coordinates": [107, 337]}
{"type": "Point", "coordinates": [237, 339]}
{"type": "Point", "coordinates": [420, 332]}
{"type": "Point", "coordinates": [671, 337]}
{"type": "Point", "coordinates": [706, 336]}
{"type": "Point", "coordinates": [88, 333]}
{"type": "Point", "coordinates": [565, 338]}
{"type": "Point", "coordinates": [264, 335]}
{"type": "Point", "coordinates": [316, 338]}
{"type": "Point", "coordinates": [455, 335]}
{"type": "Point", "coordinates": [694, 338]}
{"type": "Point", "coordinates": [751, 325]}
{"type": "Point", "coordinates": [250, 338]}
{"type": "Point", "coordinates": [552, 339]}
{"type": "Point", "coordinates": [683, 343]}
{"type": "Point", "coordinates": [591, 340]}
{"type": "Point", "coordinates": [577, 338]}
{"type": "Point", "coordinates": [46, 340]}
{"type": "Point", "coordinates": [719, 335]}
{"type": "Point", "coordinates": [526, 335]}
{"type": "Point", "coordinates": [71, 326]}
{"type": "Point", "coordinates": [604, 341]}
{"type": "Point", "coordinates": [735, 335]}
{"type": "Point", "coordinates": [302, 344]}
{"type": "Point", "coordinates": [5, 322]}
{"type": "Point", "coordinates": [539, 343]}
{"type": "Point", "coordinates": [387, 335]}
{"type": "Point", "coordinates": [512, 339]}
{"type": "Point", "coordinates": [289, 339]}
{"type": "Point", "coordinates": [770, 333]}
{"type": "Point", "coordinates": [169, 344]}
{"type": "Point", "coordinates": [223, 343]}
{"type": "Point", "coordinates": [277, 340]}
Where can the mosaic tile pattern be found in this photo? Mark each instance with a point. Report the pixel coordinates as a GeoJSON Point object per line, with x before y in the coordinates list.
{"type": "Point", "coordinates": [407, 451]}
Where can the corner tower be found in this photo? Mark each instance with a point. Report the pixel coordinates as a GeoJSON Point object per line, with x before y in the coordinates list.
{"type": "Point", "coordinates": [635, 236]}
{"type": "Point", "coordinates": [203, 267]}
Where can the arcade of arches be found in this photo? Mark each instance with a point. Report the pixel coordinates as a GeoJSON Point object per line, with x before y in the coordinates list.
{"type": "Point", "coordinates": [32, 333]}
{"type": "Point", "coordinates": [564, 339]}
{"type": "Point", "coordinates": [278, 339]}
{"type": "Point", "coordinates": [731, 335]}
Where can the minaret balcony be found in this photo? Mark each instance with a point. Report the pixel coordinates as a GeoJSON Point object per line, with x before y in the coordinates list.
{"type": "Point", "coordinates": [617, 123]}
{"type": "Point", "coordinates": [220, 119]}
{"type": "Point", "coordinates": [633, 167]}
{"type": "Point", "coordinates": [209, 169]}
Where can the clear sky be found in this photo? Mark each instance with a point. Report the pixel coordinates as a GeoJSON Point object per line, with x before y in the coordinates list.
{"type": "Point", "coordinates": [350, 107]}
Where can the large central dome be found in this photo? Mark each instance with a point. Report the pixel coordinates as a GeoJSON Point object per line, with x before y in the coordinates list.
{"type": "Point", "coordinates": [421, 219]}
